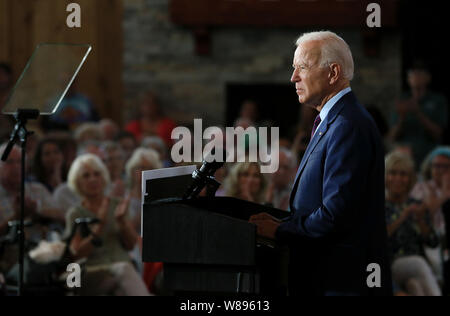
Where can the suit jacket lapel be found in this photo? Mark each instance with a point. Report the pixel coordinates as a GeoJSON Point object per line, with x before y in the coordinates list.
{"type": "Point", "coordinates": [316, 139]}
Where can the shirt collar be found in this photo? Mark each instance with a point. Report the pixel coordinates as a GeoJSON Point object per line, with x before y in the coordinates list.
{"type": "Point", "coordinates": [329, 105]}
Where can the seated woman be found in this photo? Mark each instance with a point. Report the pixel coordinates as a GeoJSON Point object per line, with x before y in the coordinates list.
{"type": "Point", "coordinates": [142, 160]}
{"type": "Point", "coordinates": [48, 167]}
{"type": "Point", "coordinates": [114, 159]}
{"type": "Point", "coordinates": [435, 191]}
{"type": "Point", "coordinates": [108, 268]}
{"type": "Point", "coordinates": [409, 228]}
{"type": "Point", "coordinates": [246, 182]}
{"type": "Point", "coordinates": [151, 121]}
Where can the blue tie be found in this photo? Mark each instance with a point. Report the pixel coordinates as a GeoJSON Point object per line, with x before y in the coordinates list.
{"type": "Point", "coordinates": [316, 123]}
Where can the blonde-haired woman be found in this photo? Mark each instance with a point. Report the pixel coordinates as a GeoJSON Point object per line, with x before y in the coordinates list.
{"type": "Point", "coordinates": [246, 182]}
{"type": "Point", "coordinates": [409, 229]}
{"type": "Point", "coordinates": [108, 268]}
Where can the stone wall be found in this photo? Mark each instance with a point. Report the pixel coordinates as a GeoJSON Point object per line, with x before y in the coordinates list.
{"type": "Point", "coordinates": [161, 56]}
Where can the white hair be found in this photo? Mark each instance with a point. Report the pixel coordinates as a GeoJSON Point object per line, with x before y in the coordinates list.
{"type": "Point", "coordinates": [77, 168]}
{"type": "Point", "coordinates": [333, 50]}
{"type": "Point", "coordinates": [88, 131]}
{"type": "Point", "coordinates": [142, 153]}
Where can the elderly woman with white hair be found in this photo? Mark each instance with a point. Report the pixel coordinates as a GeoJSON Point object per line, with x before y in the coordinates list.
{"type": "Point", "coordinates": [109, 268]}
{"type": "Point", "coordinates": [142, 159]}
{"type": "Point", "coordinates": [409, 229]}
{"type": "Point", "coordinates": [434, 189]}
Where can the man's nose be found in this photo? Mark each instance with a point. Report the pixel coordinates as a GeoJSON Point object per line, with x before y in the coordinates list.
{"type": "Point", "coordinates": [294, 77]}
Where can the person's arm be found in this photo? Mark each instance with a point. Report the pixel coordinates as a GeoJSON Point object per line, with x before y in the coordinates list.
{"type": "Point", "coordinates": [4, 225]}
{"type": "Point", "coordinates": [46, 205]}
{"type": "Point", "coordinates": [446, 212]}
{"type": "Point", "coordinates": [348, 160]}
{"type": "Point", "coordinates": [128, 234]}
{"type": "Point", "coordinates": [83, 247]}
{"type": "Point", "coordinates": [428, 234]}
{"type": "Point", "coordinates": [433, 129]}
{"type": "Point", "coordinates": [396, 130]}
{"type": "Point", "coordinates": [392, 228]}
{"type": "Point", "coordinates": [397, 121]}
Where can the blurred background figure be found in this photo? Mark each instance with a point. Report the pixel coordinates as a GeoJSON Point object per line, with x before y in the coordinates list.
{"type": "Point", "coordinates": [75, 109]}
{"type": "Point", "coordinates": [151, 121]}
{"type": "Point", "coordinates": [246, 182]}
{"type": "Point", "coordinates": [109, 129]}
{"type": "Point", "coordinates": [156, 143]}
{"type": "Point", "coordinates": [108, 268]}
{"type": "Point", "coordinates": [40, 209]}
{"type": "Point", "coordinates": [114, 159]}
{"type": "Point", "coordinates": [143, 159]}
{"type": "Point", "coordinates": [434, 189]}
{"type": "Point", "coordinates": [249, 112]}
{"type": "Point", "coordinates": [420, 117]}
{"type": "Point", "coordinates": [88, 132]}
{"type": "Point", "coordinates": [281, 181]}
{"type": "Point", "coordinates": [127, 142]}
{"type": "Point", "coordinates": [48, 164]}
{"type": "Point", "coordinates": [409, 230]}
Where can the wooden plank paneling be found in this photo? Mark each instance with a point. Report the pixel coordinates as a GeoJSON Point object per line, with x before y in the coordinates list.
{"type": "Point", "coordinates": [291, 13]}
{"type": "Point", "coordinates": [110, 47]}
{"type": "Point", "coordinates": [4, 30]}
{"type": "Point", "coordinates": [30, 22]}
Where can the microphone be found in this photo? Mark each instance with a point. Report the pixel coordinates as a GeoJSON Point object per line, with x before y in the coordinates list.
{"type": "Point", "coordinates": [205, 174]}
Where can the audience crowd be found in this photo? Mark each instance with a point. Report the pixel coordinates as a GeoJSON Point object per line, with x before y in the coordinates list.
{"type": "Point", "coordinates": [81, 166]}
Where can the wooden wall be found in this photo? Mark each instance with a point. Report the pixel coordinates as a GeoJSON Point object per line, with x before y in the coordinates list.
{"type": "Point", "coordinates": [26, 23]}
{"type": "Point", "coordinates": [289, 13]}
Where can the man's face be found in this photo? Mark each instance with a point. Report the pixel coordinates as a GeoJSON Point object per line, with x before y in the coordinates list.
{"type": "Point", "coordinates": [311, 80]}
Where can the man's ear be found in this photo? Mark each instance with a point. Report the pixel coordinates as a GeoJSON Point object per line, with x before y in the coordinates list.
{"type": "Point", "coordinates": [334, 74]}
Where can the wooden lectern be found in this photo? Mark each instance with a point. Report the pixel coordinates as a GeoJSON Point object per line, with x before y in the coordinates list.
{"type": "Point", "coordinates": [208, 246]}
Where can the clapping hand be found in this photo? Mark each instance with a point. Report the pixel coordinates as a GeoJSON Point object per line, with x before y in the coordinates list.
{"type": "Point", "coordinates": [446, 187]}
{"type": "Point", "coordinates": [432, 201]}
{"type": "Point", "coordinates": [122, 210]}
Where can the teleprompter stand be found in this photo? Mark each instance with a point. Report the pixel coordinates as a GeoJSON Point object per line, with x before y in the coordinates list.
{"type": "Point", "coordinates": [39, 91]}
{"type": "Point", "coordinates": [21, 133]}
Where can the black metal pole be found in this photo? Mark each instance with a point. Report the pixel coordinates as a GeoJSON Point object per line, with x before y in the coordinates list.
{"type": "Point", "coordinates": [20, 132]}
{"type": "Point", "coordinates": [23, 141]}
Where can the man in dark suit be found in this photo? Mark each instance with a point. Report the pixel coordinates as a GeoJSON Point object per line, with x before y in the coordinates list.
{"type": "Point", "coordinates": [337, 232]}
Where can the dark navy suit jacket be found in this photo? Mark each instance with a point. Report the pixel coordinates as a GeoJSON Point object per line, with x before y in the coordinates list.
{"type": "Point", "coordinates": [337, 227]}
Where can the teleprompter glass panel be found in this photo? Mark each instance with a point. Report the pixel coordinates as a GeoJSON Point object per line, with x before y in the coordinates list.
{"type": "Point", "coordinates": [47, 77]}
